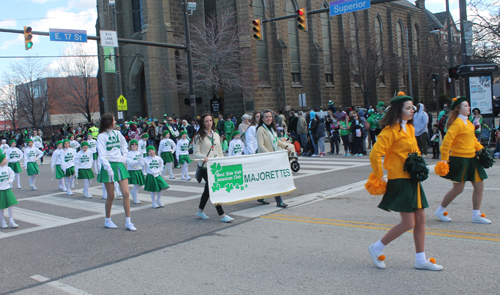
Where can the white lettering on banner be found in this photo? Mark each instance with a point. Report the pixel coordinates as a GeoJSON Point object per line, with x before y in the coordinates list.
{"type": "Point", "coordinates": [242, 178]}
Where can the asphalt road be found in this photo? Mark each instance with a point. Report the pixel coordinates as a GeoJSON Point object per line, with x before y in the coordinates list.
{"type": "Point", "coordinates": [316, 246]}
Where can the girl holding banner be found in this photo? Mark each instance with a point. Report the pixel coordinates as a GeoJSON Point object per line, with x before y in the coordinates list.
{"type": "Point", "coordinates": [268, 141]}
{"type": "Point", "coordinates": [206, 145]}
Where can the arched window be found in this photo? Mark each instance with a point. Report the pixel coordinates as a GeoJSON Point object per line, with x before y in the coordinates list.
{"type": "Point", "coordinates": [416, 45]}
{"type": "Point", "coordinates": [137, 15]}
{"type": "Point", "coordinates": [327, 45]}
{"type": "Point", "coordinates": [400, 52]}
{"type": "Point", "coordinates": [354, 31]}
{"type": "Point", "coordinates": [262, 57]}
{"type": "Point", "coordinates": [293, 43]}
{"type": "Point", "coordinates": [380, 46]}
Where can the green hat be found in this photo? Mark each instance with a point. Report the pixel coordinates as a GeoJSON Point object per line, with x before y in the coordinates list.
{"type": "Point", "coordinates": [150, 148]}
{"type": "Point", "coordinates": [381, 104]}
{"type": "Point", "coordinates": [59, 142]}
{"type": "Point", "coordinates": [330, 103]}
{"type": "Point", "coordinates": [29, 140]}
{"type": "Point", "coordinates": [2, 157]}
{"type": "Point", "coordinates": [457, 101]}
{"type": "Point", "coordinates": [12, 141]}
{"type": "Point", "coordinates": [65, 141]}
{"type": "Point", "coordinates": [165, 133]}
{"type": "Point", "coordinates": [183, 132]}
{"type": "Point", "coordinates": [145, 135]}
{"type": "Point", "coordinates": [133, 141]}
{"type": "Point", "coordinates": [236, 133]}
{"type": "Point", "coordinates": [84, 144]}
{"type": "Point", "coordinates": [400, 98]}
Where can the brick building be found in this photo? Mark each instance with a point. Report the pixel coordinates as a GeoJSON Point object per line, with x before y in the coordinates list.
{"type": "Point", "coordinates": [287, 62]}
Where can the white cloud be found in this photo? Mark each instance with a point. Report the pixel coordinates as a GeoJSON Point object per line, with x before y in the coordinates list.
{"type": "Point", "coordinates": [41, 1]}
{"type": "Point", "coordinates": [61, 18]}
{"type": "Point", "coordinates": [89, 48]}
{"type": "Point", "coordinates": [8, 23]}
{"type": "Point", "coordinates": [18, 41]}
{"type": "Point", "coordinates": [82, 4]}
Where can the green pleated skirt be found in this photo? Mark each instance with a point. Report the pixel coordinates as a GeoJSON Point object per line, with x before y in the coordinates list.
{"type": "Point", "coordinates": [155, 184]}
{"type": "Point", "coordinates": [403, 195]}
{"type": "Point", "coordinates": [136, 177]}
{"type": "Point", "coordinates": [7, 199]}
{"type": "Point", "coordinates": [103, 176]}
{"type": "Point", "coordinates": [70, 171]}
{"type": "Point", "coordinates": [85, 174]}
{"type": "Point", "coordinates": [16, 167]}
{"type": "Point", "coordinates": [167, 157]}
{"type": "Point", "coordinates": [184, 159]}
{"type": "Point", "coordinates": [59, 172]}
{"type": "Point", "coordinates": [465, 169]}
{"type": "Point", "coordinates": [32, 169]}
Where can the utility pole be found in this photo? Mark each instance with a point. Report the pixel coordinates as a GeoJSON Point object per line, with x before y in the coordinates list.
{"type": "Point", "coordinates": [450, 48]}
{"type": "Point", "coordinates": [192, 97]}
{"type": "Point", "coordinates": [463, 19]}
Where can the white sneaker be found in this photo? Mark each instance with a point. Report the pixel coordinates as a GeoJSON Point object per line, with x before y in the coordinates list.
{"type": "Point", "coordinates": [130, 226]}
{"type": "Point", "coordinates": [13, 224]}
{"type": "Point", "coordinates": [377, 259]}
{"type": "Point", "coordinates": [119, 197]}
{"type": "Point", "coordinates": [188, 179]}
{"type": "Point", "coordinates": [314, 155]}
{"type": "Point", "coordinates": [88, 196]}
{"type": "Point", "coordinates": [202, 215]}
{"type": "Point", "coordinates": [160, 204]}
{"type": "Point", "coordinates": [18, 187]}
{"type": "Point", "coordinates": [428, 266]}
{"type": "Point", "coordinates": [3, 224]}
{"type": "Point", "coordinates": [137, 202]}
{"type": "Point", "coordinates": [182, 178]}
{"type": "Point", "coordinates": [155, 205]}
{"type": "Point", "coordinates": [227, 219]}
{"type": "Point", "coordinates": [480, 219]}
{"type": "Point", "coordinates": [443, 216]}
{"type": "Point", "coordinates": [172, 176]}
{"type": "Point", "coordinates": [69, 193]}
{"type": "Point", "coordinates": [110, 224]}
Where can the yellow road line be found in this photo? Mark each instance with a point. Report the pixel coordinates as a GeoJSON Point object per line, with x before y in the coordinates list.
{"type": "Point", "coordinates": [302, 220]}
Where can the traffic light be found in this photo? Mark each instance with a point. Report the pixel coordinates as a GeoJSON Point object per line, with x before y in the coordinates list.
{"type": "Point", "coordinates": [452, 72]}
{"type": "Point", "coordinates": [257, 28]}
{"type": "Point", "coordinates": [28, 38]}
{"type": "Point", "coordinates": [302, 19]}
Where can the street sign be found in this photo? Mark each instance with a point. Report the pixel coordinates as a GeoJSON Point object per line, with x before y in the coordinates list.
{"type": "Point", "coordinates": [346, 6]}
{"type": "Point", "coordinates": [109, 60]}
{"type": "Point", "coordinates": [64, 35]}
{"type": "Point", "coordinates": [109, 38]}
{"type": "Point", "coordinates": [121, 103]}
{"type": "Point", "coordinates": [120, 115]}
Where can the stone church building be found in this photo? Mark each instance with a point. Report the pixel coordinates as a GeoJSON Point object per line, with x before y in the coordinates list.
{"type": "Point", "coordinates": [336, 59]}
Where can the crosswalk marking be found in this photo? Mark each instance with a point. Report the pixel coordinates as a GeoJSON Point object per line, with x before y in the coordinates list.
{"type": "Point", "coordinates": [39, 218]}
{"type": "Point", "coordinates": [73, 204]}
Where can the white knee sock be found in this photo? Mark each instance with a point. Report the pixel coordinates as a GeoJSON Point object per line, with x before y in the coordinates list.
{"type": "Point", "coordinates": [420, 257]}
{"type": "Point", "coordinates": [18, 177]}
{"type": "Point", "coordinates": [153, 197]}
{"type": "Point", "coordinates": [185, 170]}
{"type": "Point", "coordinates": [104, 192]}
{"type": "Point", "coordinates": [2, 215]}
{"type": "Point", "coordinates": [86, 186]}
{"type": "Point", "coordinates": [118, 191]}
{"type": "Point", "coordinates": [62, 183]}
{"type": "Point", "coordinates": [169, 167]}
{"type": "Point", "coordinates": [11, 214]}
{"type": "Point", "coordinates": [68, 184]}
{"type": "Point", "coordinates": [158, 196]}
{"type": "Point", "coordinates": [134, 192]}
{"type": "Point", "coordinates": [33, 180]}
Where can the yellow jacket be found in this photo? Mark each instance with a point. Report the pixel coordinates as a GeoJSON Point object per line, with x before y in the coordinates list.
{"type": "Point", "coordinates": [461, 140]}
{"type": "Point", "coordinates": [394, 144]}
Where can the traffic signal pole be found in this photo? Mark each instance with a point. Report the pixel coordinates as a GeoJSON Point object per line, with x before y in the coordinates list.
{"type": "Point", "coordinates": [192, 96]}
{"type": "Point", "coordinates": [117, 56]}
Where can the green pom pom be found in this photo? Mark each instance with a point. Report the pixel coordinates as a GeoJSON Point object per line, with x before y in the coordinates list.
{"type": "Point", "coordinates": [486, 158]}
{"type": "Point", "coordinates": [417, 168]}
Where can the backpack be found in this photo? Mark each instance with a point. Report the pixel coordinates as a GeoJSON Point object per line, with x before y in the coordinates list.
{"type": "Point", "coordinates": [442, 123]}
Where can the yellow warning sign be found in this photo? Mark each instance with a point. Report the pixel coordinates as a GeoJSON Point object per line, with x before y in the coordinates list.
{"type": "Point", "coordinates": [121, 102]}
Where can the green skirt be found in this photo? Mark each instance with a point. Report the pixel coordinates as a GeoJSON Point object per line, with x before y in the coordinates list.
{"type": "Point", "coordinates": [95, 156]}
{"type": "Point", "coordinates": [465, 169]}
{"type": "Point", "coordinates": [7, 199]}
{"type": "Point", "coordinates": [32, 169]}
{"type": "Point", "coordinates": [59, 172]}
{"type": "Point", "coordinates": [85, 174]}
{"type": "Point", "coordinates": [155, 184]}
{"type": "Point", "coordinates": [136, 177]}
{"type": "Point", "coordinates": [16, 167]}
{"type": "Point", "coordinates": [403, 195]}
{"type": "Point", "coordinates": [103, 176]}
{"type": "Point", "coordinates": [184, 159]}
{"type": "Point", "coordinates": [167, 157]}
{"type": "Point", "coordinates": [70, 171]}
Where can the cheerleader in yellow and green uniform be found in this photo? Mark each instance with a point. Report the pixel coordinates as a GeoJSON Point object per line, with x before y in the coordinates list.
{"type": "Point", "coordinates": [14, 156]}
{"type": "Point", "coordinates": [7, 198]}
{"type": "Point", "coordinates": [134, 167]}
{"type": "Point", "coordinates": [83, 167]}
{"type": "Point", "coordinates": [154, 181]}
{"type": "Point", "coordinates": [463, 164]}
{"type": "Point", "coordinates": [31, 155]}
{"type": "Point", "coordinates": [182, 153]}
{"type": "Point", "coordinates": [402, 194]}
{"type": "Point", "coordinates": [165, 149]}
{"type": "Point", "coordinates": [56, 166]}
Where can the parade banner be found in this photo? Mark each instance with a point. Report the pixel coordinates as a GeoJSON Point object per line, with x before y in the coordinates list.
{"type": "Point", "coordinates": [233, 180]}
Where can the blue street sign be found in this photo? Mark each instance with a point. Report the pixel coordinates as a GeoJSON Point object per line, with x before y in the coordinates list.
{"type": "Point", "coordinates": [68, 35]}
{"type": "Point", "coordinates": [345, 6]}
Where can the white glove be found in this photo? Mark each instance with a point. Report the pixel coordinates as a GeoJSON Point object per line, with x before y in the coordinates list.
{"type": "Point", "coordinates": [52, 169]}
{"type": "Point", "coordinates": [11, 181]}
{"type": "Point", "coordinates": [110, 172]}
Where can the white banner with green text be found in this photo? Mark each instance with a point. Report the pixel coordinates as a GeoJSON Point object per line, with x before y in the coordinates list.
{"type": "Point", "coordinates": [238, 179]}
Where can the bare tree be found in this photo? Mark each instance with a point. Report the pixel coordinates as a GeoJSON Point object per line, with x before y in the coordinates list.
{"type": "Point", "coordinates": [79, 90]}
{"type": "Point", "coordinates": [485, 16]}
{"type": "Point", "coordinates": [217, 57]}
{"type": "Point", "coordinates": [8, 102]}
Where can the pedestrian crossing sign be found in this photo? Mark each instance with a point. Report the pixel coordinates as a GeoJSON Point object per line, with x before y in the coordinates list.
{"type": "Point", "coordinates": [121, 102]}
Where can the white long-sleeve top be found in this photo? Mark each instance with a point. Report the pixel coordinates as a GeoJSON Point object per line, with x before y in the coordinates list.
{"type": "Point", "coordinates": [153, 165]}
{"type": "Point", "coordinates": [112, 147]}
{"type": "Point", "coordinates": [74, 144]}
{"type": "Point", "coordinates": [37, 141]}
{"type": "Point", "coordinates": [236, 147]}
{"type": "Point", "coordinates": [182, 148]}
{"type": "Point", "coordinates": [142, 145]}
{"type": "Point", "coordinates": [5, 147]}
{"type": "Point", "coordinates": [31, 154]}
{"type": "Point", "coordinates": [84, 160]}
{"type": "Point", "coordinates": [251, 144]}
{"type": "Point", "coordinates": [134, 160]}
{"type": "Point", "coordinates": [14, 154]}
{"type": "Point", "coordinates": [92, 145]}
{"type": "Point", "coordinates": [56, 158]}
{"type": "Point", "coordinates": [67, 157]}
{"type": "Point", "coordinates": [166, 145]}
{"type": "Point", "coordinates": [7, 177]}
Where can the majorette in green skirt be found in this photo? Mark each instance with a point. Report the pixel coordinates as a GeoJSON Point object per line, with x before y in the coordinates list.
{"type": "Point", "coordinates": [70, 171]}
{"type": "Point", "coordinates": [403, 195]}
{"type": "Point", "coordinates": [119, 170]}
{"type": "Point", "coordinates": [32, 169]}
{"type": "Point", "coordinates": [184, 159]}
{"type": "Point", "coordinates": [167, 157]}
{"type": "Point", "coordinates": [465, 169]}
{"type": "Point", "coordinates": [155, 184]}
{"type": "Point", "coordinates": [136, 177]}
{"type": "Point", "coordinates": [7, 199]}
{"type": "Point", "coordinates": [16, 167]}
{"type": "Point", "coordinates": [85, 174]}
{"type": "Point", "coordinates": [59, 172]}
